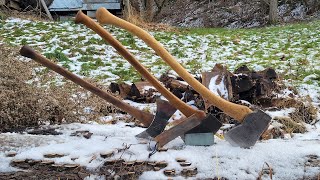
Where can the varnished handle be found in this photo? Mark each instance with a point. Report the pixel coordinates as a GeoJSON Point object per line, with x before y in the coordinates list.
{"type": "Point", "coordinates": [143, 117]}
{"type": "Point", "coordinates": [176, 102]}
{"type": "Point", "coordinates": [236, 111]}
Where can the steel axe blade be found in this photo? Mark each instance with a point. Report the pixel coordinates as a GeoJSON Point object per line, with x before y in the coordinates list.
{"type": "Point", "coordinates": [164, 111]}
{"type": "Point", "coordinates": [246, 134]}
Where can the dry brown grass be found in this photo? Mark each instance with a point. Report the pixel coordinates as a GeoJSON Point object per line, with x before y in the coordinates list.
{"type": "Point", "coordinates": [305, 113]}
{"type": "Point", "coordinates": [134, 18]}
{"type": "Point", "coordinates": [22, 104]}
{"type": "Point", "coordinates": [25, 105]}
{"type": "Point", "coordinates": [34, 14]}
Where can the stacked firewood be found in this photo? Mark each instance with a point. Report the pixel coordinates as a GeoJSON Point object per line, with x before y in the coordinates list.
{"type": "Point", "coordinates": [255, 87]}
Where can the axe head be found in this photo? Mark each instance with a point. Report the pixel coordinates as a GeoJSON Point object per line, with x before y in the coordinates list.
{"type": "Point", "coordinates": [164, 111]}
{"type": "Point", "coordinates": [208, 125]}
{"type": "Point", "coordinates": [188, 124]}
{"type": "Point", "coordinates": [246, 134]}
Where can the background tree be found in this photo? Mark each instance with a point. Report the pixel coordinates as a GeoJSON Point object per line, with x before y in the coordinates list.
{"type": "Point", "coordinates": [150, 8]}
{"type": "Point", "coordinates": [273, 11]}
{"type": "Point", "coordinates": [272, 5]}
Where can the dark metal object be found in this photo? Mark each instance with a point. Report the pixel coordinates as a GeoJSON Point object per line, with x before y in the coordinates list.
{"type": "Point", "coordinates": [209, 125]}
{"type": "Point", "coordinates": [246, 134]}
{"type": "Point", "coordinates": [164, 111]}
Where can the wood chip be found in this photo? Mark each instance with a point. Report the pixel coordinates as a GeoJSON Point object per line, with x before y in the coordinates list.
{"type": "Point", "coordinates": [131, 173]}
{"type": "Point", "coordinates": [11, 154]}
{"type": "Point", "coordinates": [18, 160]}
{"type": "Point", "coordinates": [162, 164]}
{"type": "Point", "coordinates": [184, 164]}
{"type": "Point", "coordinates": [107, 154]}
{"type": "Point", "coordinates": [180, 160]}
{"type": "Point", "coordinates": [53, 155]}
{"type": "Point", "coordinates": [169, 172]}
{"type": "Point", "coordinates": [162, 149]}
{"type": "Point", "coordinates": [45, 162]}
{"type": "Point", "coordinates": [57, 165]}
{"type": "Point", "coordinates": [71, 166]}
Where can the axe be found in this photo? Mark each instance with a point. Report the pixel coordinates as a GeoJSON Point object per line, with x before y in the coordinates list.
{"type": "Point", "coordinates": [164, 109]}
{"type": "Point", "coordinates": [188, 111]}
{"type": "Point", "coordinates": [254, 123]}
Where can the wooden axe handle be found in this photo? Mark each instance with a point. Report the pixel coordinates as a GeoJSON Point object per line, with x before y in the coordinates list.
{"type": "Point", "coordinates": [176, 102]}
{"type": "Point", "coordinates": [236, 111]}
{"type": "Point", "coordinates": [143, 117]}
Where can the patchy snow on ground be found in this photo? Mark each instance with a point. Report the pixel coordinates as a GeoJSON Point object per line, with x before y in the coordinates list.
{"type": "Point", "coordinates": [285, 156]}
{"type": "Point", "coordinates": [292, 50]}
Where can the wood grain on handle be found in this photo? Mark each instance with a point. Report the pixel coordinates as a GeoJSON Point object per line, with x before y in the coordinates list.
{"type": "Point", "coordinates": [143, 117]}
{"type": "Point", "coordinates": [176, 102]}
{"type": "Point", "coordinates": [236, 111]}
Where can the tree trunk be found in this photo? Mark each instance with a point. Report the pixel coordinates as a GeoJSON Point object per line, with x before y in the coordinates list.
{"type": "Point", "coordinates": [127, 7]}
{"type": "Point", "coordinates": [273, 11]}
{"type": "Point", "coordinates": [143, 9]}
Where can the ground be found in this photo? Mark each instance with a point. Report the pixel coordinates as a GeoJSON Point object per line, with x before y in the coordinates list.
{"type": "Point", "coordinates": [292, 50]}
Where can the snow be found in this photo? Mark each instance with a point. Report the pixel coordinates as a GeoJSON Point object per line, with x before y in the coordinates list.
{"type": "Point", "coordinates": [220, 88]}
{"type": "Point", "coordinates": [285, 156]}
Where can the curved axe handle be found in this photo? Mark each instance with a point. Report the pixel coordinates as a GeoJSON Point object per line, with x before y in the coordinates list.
{"type": "Point", "coordinates": [143, 117]}
{"type": "Point", "coordinates": [236, 111]}
{"type": "Point", "coordinates": [176, 102]}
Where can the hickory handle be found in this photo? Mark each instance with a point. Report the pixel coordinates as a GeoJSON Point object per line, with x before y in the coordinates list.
{"type": "Point", "coordinates": [176, 102]}
{"type": "Point", "coordinates": [143, 117]}
{"type": "Point", "coordinates": [236, 111]}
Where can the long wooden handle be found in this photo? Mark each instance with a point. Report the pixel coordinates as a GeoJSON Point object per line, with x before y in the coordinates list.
{"type": "Point", "coordinates": [176, 102]}
{"type": "Point", "coordinates": [143, 117]}
{"type": "Point", "coordinates": [236, 111]}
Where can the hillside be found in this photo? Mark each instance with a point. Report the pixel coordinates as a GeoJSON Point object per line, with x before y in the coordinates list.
{"type": "Point", "coordinates": [231, 14]}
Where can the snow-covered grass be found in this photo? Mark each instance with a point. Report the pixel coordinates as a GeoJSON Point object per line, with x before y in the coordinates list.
{"type": "Point", "coordinates": [292, 49]}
